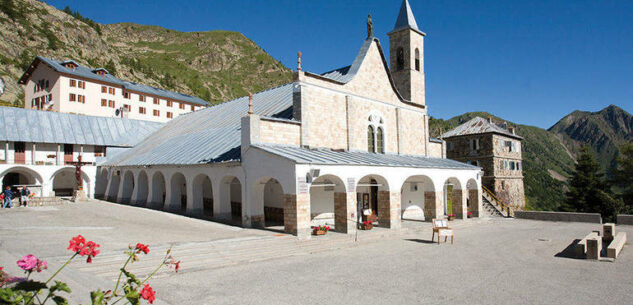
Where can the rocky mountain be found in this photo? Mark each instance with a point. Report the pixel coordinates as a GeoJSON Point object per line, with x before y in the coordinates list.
{"type": "Point", "coordinates": [215, 65]}
{"type": "Point", "coordinates": [605, 131]}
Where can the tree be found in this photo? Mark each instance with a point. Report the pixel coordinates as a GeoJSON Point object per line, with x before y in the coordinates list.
{"type": "Point", "coordinates": [623, 174]}
{"type": "Point", "coordinates": [588, 190]}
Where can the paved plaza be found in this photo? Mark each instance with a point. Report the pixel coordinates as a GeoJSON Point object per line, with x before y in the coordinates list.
{"type": "Point", "coordinates": [493, 261]}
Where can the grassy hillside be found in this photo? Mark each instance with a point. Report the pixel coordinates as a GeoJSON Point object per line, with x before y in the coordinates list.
{"type": "Point", "coordinates": [546, 162]}
{"type": "Point", "coordinates": [215, 66]}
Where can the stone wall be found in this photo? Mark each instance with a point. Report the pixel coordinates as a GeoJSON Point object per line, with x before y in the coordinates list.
{"type": "Point", "coordinates": [297, 215]}
{"type": "Point", "coordinates": [559, 216]}
{"type": "Point", "coordinates": [279, 132]}
{"type": "Point", "coordinates": [624, 219]}
{"type": "Point", "coordinates": [436, 150]}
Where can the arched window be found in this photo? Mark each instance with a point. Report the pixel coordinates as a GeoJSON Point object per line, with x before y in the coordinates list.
{"type": "Point", "coordinates": [371, 147]}
{"type": "Point", "coordinates": [400, 59]}
{"type": "Point", "coordinates": [417, 59]}
{"type": "Point", "coordinates": [380, 143]}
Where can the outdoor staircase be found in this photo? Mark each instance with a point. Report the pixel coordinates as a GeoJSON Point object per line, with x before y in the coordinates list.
{"type": "Point", "coordinates": [489, 210]}
{"type": "Point", "coordinates": [490, 200]}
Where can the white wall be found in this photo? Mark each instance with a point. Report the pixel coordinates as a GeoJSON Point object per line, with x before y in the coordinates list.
{"type": "Point", "coordinates": [59, 87]}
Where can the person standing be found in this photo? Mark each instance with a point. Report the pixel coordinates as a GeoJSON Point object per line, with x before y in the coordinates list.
{"type": "Point", "coordinates": [24, 196]}
{"type": "Point", "coordinates": [8, 195]}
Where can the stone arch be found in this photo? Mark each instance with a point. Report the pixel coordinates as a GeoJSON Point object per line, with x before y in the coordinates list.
{"type": "Point", "coordinates": [141, 190]}
{"type": "Point", "coordinates": [203, 195]}
{"type": "Point", "coordinates": [417, 59]}
{"type": "Point", "coordinates": [417, 197]}
{"type": "Point", "coordinates": [454, 201]}
{"type": "Point", "coordinates": [127, 187]}
{"type": "Point", "coordinates": [178, 193]}
{"type": "Point", "coordinates": [19, 175]}
{"type": "Point", "coordinates": [268, 203]}
{"type": "Point", "coordinates": [231, 199]}
{"type": "Point", "coordinates": [400, 59]}
{"type": "Point", "coordinates": [374, 200]}
{"type": "Point", "coordinates": [101, 183]}
{"type": "Point", "coordinates": [64, 182]}
{"type": "Point", "coordinates": [158, 190]}
{"type": "Point", "coordinates": [328, 204]}
{"type": "Point", "coordinates": [473, 202]}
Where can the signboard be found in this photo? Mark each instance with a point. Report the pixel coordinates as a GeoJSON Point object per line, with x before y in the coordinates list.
{"type": "Point", "coordinates": [302, 185]}
{"type": "Point", "coordinates": [351, 185]}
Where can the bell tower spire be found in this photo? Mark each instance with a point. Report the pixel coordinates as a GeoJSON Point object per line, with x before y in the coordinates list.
{"type": "Point", "coordinates": [406, 55]}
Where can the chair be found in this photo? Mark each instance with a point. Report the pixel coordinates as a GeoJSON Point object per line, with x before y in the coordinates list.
{"type": "Point", "coordinates": [441, 227]}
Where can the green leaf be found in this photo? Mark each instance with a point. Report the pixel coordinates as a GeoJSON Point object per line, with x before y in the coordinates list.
{"type": "Point", "coordinates": [97, 297]}
{"type": "Point", "coordinates": [60, 286]}
{"type": "Point", "coordinates": [60, 300]}
{"type": "Point", "coordinates": [131, 277]}
{"type": "Point", "coordinates": [132, 296]}
{"type": "Point", "coordinates": [30, 286]}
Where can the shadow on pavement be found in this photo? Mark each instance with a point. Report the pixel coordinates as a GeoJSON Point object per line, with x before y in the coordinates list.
{"type": "Point", "coordinates": [570, 251]}
{"type": "Point", "coordinates": [422, 241]}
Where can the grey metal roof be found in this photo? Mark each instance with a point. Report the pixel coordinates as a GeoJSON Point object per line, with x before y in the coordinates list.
{"type": "Point", "coordinates": [36, 126]}
{"type": "Point", "coordinates": [346, 74]}
{"type": "Point", "coordinates": [478, 125]}
{"type": "Point", "coordinates": [329, 157]}
{"type": "Point", "coordinates": [436, 140]}
{"type": "Point", "coordinates": [88, 73]}
{"type": "Point", "coordinates": [210, 135]}
{"type": "Point", "coordinates": [405, 18]}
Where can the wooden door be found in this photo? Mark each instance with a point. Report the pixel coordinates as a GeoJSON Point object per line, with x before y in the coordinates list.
{"type": "Point", "coordinates": [373, 195]}
{"type": "Point", "coordinates": [20, 156]}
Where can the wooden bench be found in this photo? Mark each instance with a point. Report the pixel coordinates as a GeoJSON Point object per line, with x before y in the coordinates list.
{"type": "Point", "coordinates": [614, 248]}
{"type": "Point", "coordinates": [581, 247]}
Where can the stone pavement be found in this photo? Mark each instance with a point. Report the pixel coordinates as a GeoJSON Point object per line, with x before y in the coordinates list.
{"type": "Point", "coordinates": [493, 261]}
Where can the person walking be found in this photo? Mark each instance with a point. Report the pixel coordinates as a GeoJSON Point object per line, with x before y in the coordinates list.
{"type": "Point", "coordinates": [24, 196]}
{"type": "Point", "coordinates": [8, 195]}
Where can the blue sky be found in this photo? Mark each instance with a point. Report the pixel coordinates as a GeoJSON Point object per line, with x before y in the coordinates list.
{"type": "Point", "coordinates": [530, 62]}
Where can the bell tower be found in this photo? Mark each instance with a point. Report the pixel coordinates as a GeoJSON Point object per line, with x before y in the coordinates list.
{"type": "Point", "coordinates": [406, 56]}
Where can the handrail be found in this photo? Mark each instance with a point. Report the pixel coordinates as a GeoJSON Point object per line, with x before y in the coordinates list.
{"type": "Point", "coordinates": [498, 201]}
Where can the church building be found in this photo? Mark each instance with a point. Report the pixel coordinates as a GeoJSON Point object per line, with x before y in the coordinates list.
{"type": "Point", "coordinates": [340, 147]}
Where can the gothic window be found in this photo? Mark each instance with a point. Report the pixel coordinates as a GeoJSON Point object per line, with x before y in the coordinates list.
{"type": "Point", "coordinates": [400, 59]}
{"type": "Point", "coordinates": [370, 139]}
{"type": "Point", "coordinates": [380, 143]}
{"type": "Point", "coordinates": [417, 59]}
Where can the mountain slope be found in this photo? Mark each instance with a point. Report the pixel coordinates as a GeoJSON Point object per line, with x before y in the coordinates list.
{"type": "Point", "coordinates": [215, 66]}
{"type": "Point", "coordinates": [546, 161]}
{"type": "Point", "coordinates": [604, 131]}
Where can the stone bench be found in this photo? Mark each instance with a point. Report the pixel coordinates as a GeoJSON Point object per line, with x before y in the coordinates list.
{"type": "Point", "coordinates": [581, 247]}
{"type": "Point", "coordinates": [614, 248]}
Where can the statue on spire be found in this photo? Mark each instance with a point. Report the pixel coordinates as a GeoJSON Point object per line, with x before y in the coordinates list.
{"type": "Point", "coordinates": [370, 27]}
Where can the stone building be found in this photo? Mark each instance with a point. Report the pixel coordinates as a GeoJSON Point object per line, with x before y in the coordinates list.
{"type": "Point", "coordinates": [496, 148]}
{"type": "Point", "coordinates": [65, 86]}
{"type": "Point", "coordinates": [339, 147]}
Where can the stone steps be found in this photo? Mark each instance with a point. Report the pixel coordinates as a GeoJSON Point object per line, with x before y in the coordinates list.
{"type": "Point", "coordinates": [489, 209]}
{"type": "Point", "coordinates": [222, 253]}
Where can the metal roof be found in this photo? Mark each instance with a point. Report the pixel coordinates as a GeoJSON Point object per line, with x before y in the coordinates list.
{"type": "Point", "coordinates": [88, 73]}
{"type": "Point", "coordinates": [303, 155]}
{"type": "Point", "coordinates": [346, 74]}
{"type": "Point", "coordinates": [478, 125]}
{"type": "Point", "coordinates": [405, 20]}
{"type": "Point", "coordinates": [210, 135]}
{"type": "Point", "coordinates": [36, 126]}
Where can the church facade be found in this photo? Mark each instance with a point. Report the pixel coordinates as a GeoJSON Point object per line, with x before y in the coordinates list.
{"type": "Point", "coordinates": [340, 147]}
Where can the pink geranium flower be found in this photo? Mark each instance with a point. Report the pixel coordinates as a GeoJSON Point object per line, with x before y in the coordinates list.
{"type": "Point", "coordinates": [28, 262]}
